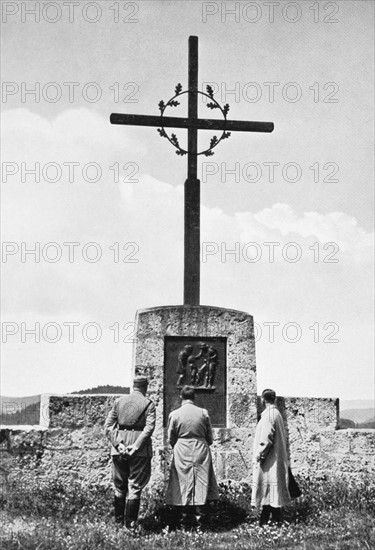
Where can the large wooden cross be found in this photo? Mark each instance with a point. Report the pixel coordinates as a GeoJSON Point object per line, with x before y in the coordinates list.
{"type": "Point", "coordinates": [192, 184]}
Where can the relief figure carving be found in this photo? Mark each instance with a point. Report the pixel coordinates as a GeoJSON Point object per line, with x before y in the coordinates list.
{"type": "Point", "coordinates": [200, 368]}
{"type": "Point", "coordinates": [183, 357]}
{"type": "Point", "coordinates": [212, 366]}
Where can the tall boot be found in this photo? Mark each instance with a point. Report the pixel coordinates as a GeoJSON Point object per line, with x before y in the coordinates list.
{"type": "Point", "coordinates": [265, 515]}
{"type": "Point", "coordinates": [199, 512]}
{"type": "Point", "coordinates": [131, 512]}
{"type": "Point", "coordinates": [276, 515]}
{"type": "Point", "coordinates": [119, 510]}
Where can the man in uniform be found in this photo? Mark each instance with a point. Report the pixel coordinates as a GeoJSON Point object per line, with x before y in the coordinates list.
{"type": "Point", "coordinates": [129, 427]}
{"type": "Point", "coordinates": [271, 461]}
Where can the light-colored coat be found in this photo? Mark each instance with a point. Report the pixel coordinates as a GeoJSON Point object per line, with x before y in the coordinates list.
{"type": "Point", "coordinates": [192, 479]}
{"type": "Point", "coordinates": [270, 473]}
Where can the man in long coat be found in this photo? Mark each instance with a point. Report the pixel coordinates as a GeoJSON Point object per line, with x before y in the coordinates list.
{"type": "Point", "coordinates": [271, 462]}
{"type": "Point", "coordinates": [129, 427]}
{"type": "Point", "coordinates": [192, 480]}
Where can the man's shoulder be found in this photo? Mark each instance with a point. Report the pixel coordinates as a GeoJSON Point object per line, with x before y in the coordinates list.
{"type": "Point", "coordinates": [198, 411]}
{"type": "Point", "coordinates": [177, 413]}
{"type": "Point", "coordinates": [271, 413]}
{"type": "Point", "coordinates": [188, 408]}
{"type": "Point", "coordinates": [131, 407]}
{"type": "Point", "coordinates": [134, 397]}
{"type": "Point", "coordinates": [123, 398]}
{"type": "Point", "coordinates": [174, 413]}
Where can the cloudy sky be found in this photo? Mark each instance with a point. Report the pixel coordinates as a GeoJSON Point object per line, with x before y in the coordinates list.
{"type": "Point", "coordinates": [294, 207]}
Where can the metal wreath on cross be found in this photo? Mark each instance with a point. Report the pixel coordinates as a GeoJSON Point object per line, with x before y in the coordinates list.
{"type": "Point", "coordinates": [213, 104]}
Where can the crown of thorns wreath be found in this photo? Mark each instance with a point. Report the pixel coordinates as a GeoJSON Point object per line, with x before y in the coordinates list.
{"type": "Point", "coordinates": [212, 104]}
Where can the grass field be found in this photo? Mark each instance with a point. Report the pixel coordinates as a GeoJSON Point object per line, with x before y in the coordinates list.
{"type": "Point", "coordinates": [332, 513]}
{"type": "Point", "coordinates": [332, 530]}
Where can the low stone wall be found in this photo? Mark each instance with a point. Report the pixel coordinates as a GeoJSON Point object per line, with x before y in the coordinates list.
{"type": "Point", "coordinates": [74, 447]}
{"type": "Point", "coordinates": [318, 446]}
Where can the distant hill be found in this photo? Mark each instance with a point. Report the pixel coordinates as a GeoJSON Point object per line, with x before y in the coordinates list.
{"type": "Point", "coordinates": [104, 389]}
{"type": "Point", "coordinates": [15, 411]}
{"type": "Point", "coordinates": [346, 423]}
{"type": "Point", "coordinates": [360, 418]}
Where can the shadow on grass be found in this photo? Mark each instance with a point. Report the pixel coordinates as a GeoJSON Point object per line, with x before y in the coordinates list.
{"type": "Point", "coordinates": [217, 516]}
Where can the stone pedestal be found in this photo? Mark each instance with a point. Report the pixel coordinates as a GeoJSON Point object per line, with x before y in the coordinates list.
{"type": "Point", "coordinates": [225, 335]}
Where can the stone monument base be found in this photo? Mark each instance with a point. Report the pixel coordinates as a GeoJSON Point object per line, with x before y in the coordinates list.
{"type": "Point", "coordinates": [212, 349]}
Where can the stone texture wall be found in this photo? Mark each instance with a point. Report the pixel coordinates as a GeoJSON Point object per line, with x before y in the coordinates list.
{"type": "Point", "coordinates": [74, 446]}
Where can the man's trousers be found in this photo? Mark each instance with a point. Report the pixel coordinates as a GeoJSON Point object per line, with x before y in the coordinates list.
{"type": "Point", "coordinates": [130, 474]}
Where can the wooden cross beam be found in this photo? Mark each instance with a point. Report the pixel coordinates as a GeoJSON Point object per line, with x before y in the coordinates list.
{"type": "Point", "coordinates": [192, 184]}
{"type": "Point", "coordinates": [197, 123]}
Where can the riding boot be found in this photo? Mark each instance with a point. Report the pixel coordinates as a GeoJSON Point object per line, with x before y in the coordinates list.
{"type": "Point", "coordinates": [199, 513]}
{"type": "Point", "coordinates": [276, 515]}
{"type": "Point", "coordinates": [119, 510]}
{"type": "Point", "coordinates": [131, 512]}
{"type": "Point", "coordinates": [265, 515]}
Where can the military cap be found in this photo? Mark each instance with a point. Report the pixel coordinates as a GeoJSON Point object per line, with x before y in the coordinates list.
{"type": "Point", "coordinates": [140, 382]}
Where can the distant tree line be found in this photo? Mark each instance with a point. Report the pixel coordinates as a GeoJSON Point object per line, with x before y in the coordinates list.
{"type": "Point", "coordinates": [368, 425]}
{"type": "Point", "coordinates": [105, 389]}
{"type": "Point", "coordinates": [347, 423]}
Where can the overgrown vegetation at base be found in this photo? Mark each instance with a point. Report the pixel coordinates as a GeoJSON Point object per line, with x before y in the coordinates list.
{"type": "Point", "coordinates": [44, 513]}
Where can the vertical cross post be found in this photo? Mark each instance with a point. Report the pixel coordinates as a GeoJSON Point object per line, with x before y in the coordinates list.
{"type": "Point", "coordinates": [192, 189]}
{"type": "Point", "coordinates": [192, 184]}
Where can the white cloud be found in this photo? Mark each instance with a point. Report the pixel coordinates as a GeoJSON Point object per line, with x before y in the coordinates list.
{"type": "Point", "coordinates": [334, 226]}
{"type": "Point", "coordinates": [75, 134]}
{"type": "Point", "coordinates": [150, 213]}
